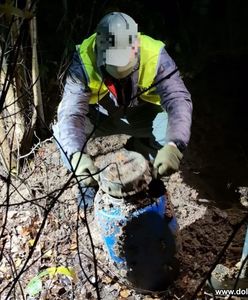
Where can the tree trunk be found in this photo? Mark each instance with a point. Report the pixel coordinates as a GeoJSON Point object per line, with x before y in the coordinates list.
{"type": "Point", "coordinates": [23, 101]}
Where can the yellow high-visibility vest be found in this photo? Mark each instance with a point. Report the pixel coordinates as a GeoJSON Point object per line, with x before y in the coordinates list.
{"type": "Point", "coordinates": [149, 56]}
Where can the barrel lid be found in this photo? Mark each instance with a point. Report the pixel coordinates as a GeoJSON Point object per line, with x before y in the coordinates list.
{"type": "Point", "coordinates": [124, 173]}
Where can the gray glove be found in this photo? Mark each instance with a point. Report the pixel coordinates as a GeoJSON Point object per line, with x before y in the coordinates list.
{"type": "Point", "coordinates": [86, 170]}
{"type": "Point", "coordinates": [167, 160]}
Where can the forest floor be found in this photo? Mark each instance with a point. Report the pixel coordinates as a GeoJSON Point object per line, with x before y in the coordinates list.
{"type": "Point", "coordinates": [43, 228]}
{"type": "Point", "coordinates": [63, 238]}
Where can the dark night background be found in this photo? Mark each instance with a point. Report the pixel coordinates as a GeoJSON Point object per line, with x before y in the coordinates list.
{"type": "Point", "coordinates": [208, 40]}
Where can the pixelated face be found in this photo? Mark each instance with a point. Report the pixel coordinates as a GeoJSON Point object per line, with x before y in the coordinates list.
{"type": "Point", "coordinates": [117, 49]}
{"type": "Point", "coordinates": [117, 40]}
{"type": "Point", "coordinates": [118, 53]}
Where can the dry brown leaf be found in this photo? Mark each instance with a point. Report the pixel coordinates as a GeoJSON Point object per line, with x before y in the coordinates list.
{"type": "Point", "coordinates": [24, 231]}
{"type": "Point", "coordinates": [125, 293]}
{"type": "Point", "coordinates": [106, 280]}
{"type": "Point", "coordinates": [73, 246]}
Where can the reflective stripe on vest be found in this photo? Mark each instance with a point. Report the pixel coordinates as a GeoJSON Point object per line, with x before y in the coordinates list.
{"type": "Point", "coordinates": [149, 55]}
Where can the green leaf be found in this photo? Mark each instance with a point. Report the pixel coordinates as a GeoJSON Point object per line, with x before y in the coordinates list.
{"type": "Point", "coordinates": [69, 272]}
{"type": "Point", "coordinates": [34, 286]}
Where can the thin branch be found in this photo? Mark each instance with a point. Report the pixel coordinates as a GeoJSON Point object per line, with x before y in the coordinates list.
{"type": "Point", "coordinates": [35, 147]}
{"type": "Point", "coordinates": [14, 272]}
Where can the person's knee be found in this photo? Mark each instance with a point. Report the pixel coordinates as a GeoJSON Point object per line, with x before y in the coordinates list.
{"type": "Point", "coordinates": [159, 128]}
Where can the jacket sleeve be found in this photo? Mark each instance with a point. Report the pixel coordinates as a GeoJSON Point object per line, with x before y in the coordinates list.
{"type": "Point", "coordinates": [73, 108]}
{"type": "Point", "coordinates": [175, 100]}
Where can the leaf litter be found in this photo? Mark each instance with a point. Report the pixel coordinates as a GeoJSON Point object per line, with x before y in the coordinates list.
{"type": "Point", "coordinates": [64, 240]}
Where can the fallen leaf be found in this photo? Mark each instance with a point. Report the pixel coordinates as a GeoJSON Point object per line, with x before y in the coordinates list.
{"type": "Point", "coordinates": [34, 286]}
{"type": "Point", "coordinates": [18, 262]}
{"type": "Point", "coordinates": [69, 272]}
{"type": "Point", "coordinates": [24, 231]}
{"type": "Point", "coordinates": [125, 293]}
{"type": "Point", "coordinates": [73, 246]}
{"type": "Point", "coordinates": [31, 242]}
{"type": "Point", "coordinates": [52, 271]}
{"type": "Point", "coordinates": [48, 253]}
{"type": "Point", "coordinates": [106, 280]}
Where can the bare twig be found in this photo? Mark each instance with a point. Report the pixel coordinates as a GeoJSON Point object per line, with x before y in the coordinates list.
{"type": "Point", "coordinates": [38, 145]}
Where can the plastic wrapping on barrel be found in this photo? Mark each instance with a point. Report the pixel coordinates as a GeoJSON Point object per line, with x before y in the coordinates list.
{"type": "Point", "coordinates": [141, 241]}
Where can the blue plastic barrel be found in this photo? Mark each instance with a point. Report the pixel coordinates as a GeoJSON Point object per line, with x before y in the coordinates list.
{"type": "Point", "coordinates": [138, 239]}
